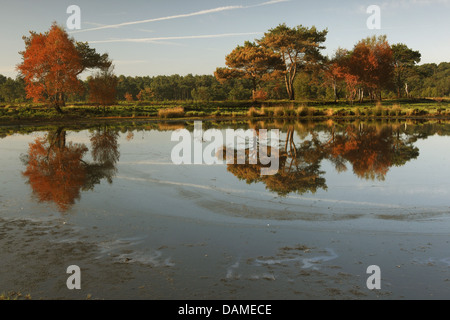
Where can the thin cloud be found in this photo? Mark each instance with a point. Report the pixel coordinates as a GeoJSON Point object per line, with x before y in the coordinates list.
{"type": "Point", "coordinates": [198, 13]}
{"type": "Point", "coordinates": [158, 39]}
{"type": "Point", "coordinates": [267, 3]}
{"type": "Point", "coordinates": [145, 30]}
{"type": "Point", "coordinates": [93, 24]}
{"type": "Point", "coordinates": [179, 16]}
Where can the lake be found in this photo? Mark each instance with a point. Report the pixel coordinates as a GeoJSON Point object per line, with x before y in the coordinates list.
{"type": "Point", "coordinates": [110, 199]}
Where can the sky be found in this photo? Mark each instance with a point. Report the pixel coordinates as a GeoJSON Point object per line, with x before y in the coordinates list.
{"type": "Point", "coordinates": [165, 37]}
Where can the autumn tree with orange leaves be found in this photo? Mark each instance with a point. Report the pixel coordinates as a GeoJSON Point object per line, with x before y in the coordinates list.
{"type": "Point", "coordinates": [335, 70]}
{"type": "Point", "coordinates": [372, 62]}
{"type": "Point", "coordinates": [52, 63]}
{"type": "Point", "coordinates": [103, 88]}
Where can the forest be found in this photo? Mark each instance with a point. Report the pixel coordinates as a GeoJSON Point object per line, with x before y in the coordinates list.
{"type": "Point", "coordinates": [427, 80]}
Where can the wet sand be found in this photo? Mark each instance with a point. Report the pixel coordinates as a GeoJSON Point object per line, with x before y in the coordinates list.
{"type": "Point", "coordinates": [35, 255]}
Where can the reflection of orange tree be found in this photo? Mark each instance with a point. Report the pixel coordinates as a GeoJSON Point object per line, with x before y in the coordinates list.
{"type": "Point", "coordinates": [371, 151]}
{"type": "Point", "coordinates": [57, 172]}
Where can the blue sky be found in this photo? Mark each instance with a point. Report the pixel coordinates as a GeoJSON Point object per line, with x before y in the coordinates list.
{"type": "Point", "coordinates": [180, 37]}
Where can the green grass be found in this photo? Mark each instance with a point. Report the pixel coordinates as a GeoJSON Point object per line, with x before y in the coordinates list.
{"type": "Point", "coordinates": [402, 108]}
{"type": "Point", "coordinates": [14, 296]}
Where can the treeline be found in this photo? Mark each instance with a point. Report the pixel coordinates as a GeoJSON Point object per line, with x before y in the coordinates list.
{"type": "Point", "coordinates": [12, 90]}
{"type": "Point", "coordinates": [158, 88]}
{"type": "Point", "coordinates": [176, 87]}
{"type": "Point", "coordinates": [426, 80]}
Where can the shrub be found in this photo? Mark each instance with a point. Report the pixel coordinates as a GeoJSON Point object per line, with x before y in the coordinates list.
{"type": "Point", "coordinates": [278, 112]}
{"type": "Point", "coordinates": [128, 97]}
{"type": "Point", "coordinates": [440, 110]}
{"type": "Point", "coordinates": [313, 112]}
{"type": "Point", "coordinates": [378, 111]}
{"type": "Point", "coordinates": [260, 95]}
{"type": "Point", "coordinates": [290, 112]}
{"type": "Point", "coordinates": [267, 112]}
{"type": "Point", "coordinates": [302, 111]}
{"type": "Point", "coordinates": [176, 112]}
{"type": "Point", "coordinates": [252, 112]}
{"type": "Point", "coordinates": [396, 110]}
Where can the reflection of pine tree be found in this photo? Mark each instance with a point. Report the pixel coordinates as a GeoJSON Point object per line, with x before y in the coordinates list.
{"type": "Point", "coordinates": [296, 173]}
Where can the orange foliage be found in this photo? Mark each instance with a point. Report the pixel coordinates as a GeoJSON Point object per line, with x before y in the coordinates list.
{"type": "Point", "coordinates": [372, 63]}
{"type": "Point", "coordinates": [51, 64]}
{"type": "Point", "coordinates": [260, 95]}
{"type": "Point", "coordinates": [369, 151]}
{"type": "Point", "coordinates": [103, 88]}
{"type": "Point", "coordinates": [55, 172]}
{"type": "Point", "coordinates": [129, 97]}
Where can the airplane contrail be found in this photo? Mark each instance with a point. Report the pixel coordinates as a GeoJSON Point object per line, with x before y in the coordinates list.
{"type": "Point", "coordinates": [209, 36]}
{"type": "Point", "coordinates": [186, 15]}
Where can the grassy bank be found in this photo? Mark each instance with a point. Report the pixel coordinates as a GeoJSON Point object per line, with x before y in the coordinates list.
{"type": "Point", "coordinates": [418, 108]}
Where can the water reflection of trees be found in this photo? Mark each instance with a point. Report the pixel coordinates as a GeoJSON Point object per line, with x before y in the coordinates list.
{"type": "Point", "coordinates": [57, 172]}
{"type": "Point", "coordinates": [370, 150]}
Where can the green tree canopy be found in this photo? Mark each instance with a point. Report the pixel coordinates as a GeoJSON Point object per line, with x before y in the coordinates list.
{"type": "Point", "coordinates": [298, 48]}
{"type": "Point", "coordinates": [404, 61]}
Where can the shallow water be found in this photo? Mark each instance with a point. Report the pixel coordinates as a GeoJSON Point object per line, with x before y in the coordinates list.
{"type": "Point", "coordinates": [346, 196]}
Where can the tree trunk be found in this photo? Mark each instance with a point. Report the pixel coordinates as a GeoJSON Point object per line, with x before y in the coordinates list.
{"type": "Point", "coordinates": [290, 90]}
{"type": "Point", "coordinates": [399, 89]}
{"type": "Point", "coordinates": [58, 108]}
{"type": "Point", "coordinates": [254, 89]}
{"type": "Point", "coordinates": [292, 95]}
{"type": "Point", "coordinates": [60, 138]}
{"type": "Point", "coordinates": [289, 79]}
{"type": "Point", "coordinates": [334, 90]}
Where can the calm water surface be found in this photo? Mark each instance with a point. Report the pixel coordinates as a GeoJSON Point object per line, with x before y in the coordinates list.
{"type": "Point", "coordinates": [109, 199]}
